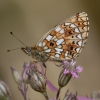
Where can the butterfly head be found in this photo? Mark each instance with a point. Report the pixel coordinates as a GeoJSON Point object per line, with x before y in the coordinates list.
{"type": "Point", "coordinates": [26, 50]}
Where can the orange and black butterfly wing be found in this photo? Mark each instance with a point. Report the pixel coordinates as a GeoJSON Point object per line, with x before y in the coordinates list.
{"type": "Point", "coordinates": [66, 40]}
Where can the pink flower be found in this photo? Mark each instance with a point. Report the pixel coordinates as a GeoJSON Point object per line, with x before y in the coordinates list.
{"type": "Point", "coordinates": [83, 98]}
{"type": "Point", "coordinates": [70, 67]}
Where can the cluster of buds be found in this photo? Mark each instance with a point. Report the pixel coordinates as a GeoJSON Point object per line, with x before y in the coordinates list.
{"type": "Point", "coordinates": [34, 74]}
{"type": "Point", "coordinates": [35, 77]}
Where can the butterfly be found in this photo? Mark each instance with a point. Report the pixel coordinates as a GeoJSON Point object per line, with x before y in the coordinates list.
{"type": "Point", "coordinates": [63, 42]}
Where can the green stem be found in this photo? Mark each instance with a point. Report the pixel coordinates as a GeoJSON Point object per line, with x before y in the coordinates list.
{"type": "Point", "coordinates": [57, 96]}
{"type": "Point", "coordinates": [45, 95]}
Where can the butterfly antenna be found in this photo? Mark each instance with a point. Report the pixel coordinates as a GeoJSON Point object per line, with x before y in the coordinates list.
{"type": "Point", "coordinates": [13, 49]}
{"type": "Point", "coordinates": [17, 38]}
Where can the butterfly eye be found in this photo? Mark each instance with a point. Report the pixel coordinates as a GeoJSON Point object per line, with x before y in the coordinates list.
{"type": "Point", "coordinates": [28, 49]}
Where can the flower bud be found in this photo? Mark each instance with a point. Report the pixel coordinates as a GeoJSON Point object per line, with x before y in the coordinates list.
{"type": "Point", "coordinates": [70, 96]}
{"type": "Point", "coordinates": [37, 81]}
{"type": "Point", "coordinates": [17, 76]}
{"type": "Point", "coordinates": [69, 69]}
{"type": "Point", "coordinates": [64, 78]}
{"type": "Point", "coordinates": [4, 91]}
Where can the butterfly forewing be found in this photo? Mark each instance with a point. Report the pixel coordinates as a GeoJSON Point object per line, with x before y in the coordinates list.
{"type": "Point", "coordinates": [66, 40]}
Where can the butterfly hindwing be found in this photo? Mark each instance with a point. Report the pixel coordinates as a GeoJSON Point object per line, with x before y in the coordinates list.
{"type": "Point", "coordinates": [66, 40]}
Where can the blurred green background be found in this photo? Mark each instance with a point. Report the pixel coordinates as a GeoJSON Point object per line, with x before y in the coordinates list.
{"type": "Point", "coordinates": [30, 20]}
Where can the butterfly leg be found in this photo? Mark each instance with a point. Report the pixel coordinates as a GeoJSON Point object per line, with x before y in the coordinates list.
{"type": "Point", "coordinates": [55, 63]}
{"type": "Point", "coordinates": [45, 67]}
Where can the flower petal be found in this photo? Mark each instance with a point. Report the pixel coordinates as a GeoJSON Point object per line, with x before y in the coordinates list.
{"type": "Point", "coordinates": [42, 70]}
{"type": "Point", "coordinates": [72, 63]}
{"type": "Point", "coordinates": [51, 86]}
{"type": "Point", "coordinates": [65, 64]}
{"type": "Point", "coordinates": [74, 74]}
{"type": "Point", "coordinates": [25, 72]}
{"type": "Point", "coordinates": [26, 64]}
{"type": "Point", "coordinates": [79, 69]}
{"type": "Point", "coordinates": [52, 98]}
{"type": "Point", "coordinates": [66, 71]}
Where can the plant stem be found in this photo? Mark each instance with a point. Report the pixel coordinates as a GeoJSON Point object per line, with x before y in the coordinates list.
{"type": "Point", "coordinates": [45, 95]}
{"type": "Point", "coordinates": [57, 96]}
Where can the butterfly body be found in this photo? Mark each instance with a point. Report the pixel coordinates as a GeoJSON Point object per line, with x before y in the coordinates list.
{"type": "Point", "coordinates": [38, 55]}
{"type": "Point", "coordinates": [63, 42]}
{"type": "Point", "coordinates": [35, 53]}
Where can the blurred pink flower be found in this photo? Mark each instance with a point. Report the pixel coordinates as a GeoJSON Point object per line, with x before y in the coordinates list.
{"type": "Point", "coordinates": [83, 98]}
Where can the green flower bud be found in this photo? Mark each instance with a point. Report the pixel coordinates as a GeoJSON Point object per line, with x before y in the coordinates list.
{"type": "Point", "coordinates": [17, 76]}
{"type": "Point", "coordinates": [37, 81]}
{"type": "Point", "coordinates": [64, 78]}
